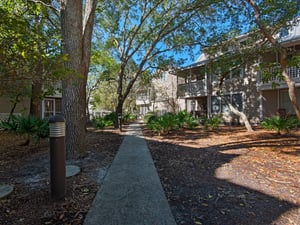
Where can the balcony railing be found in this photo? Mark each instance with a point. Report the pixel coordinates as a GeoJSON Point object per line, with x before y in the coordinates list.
{"type": "Point", "coordinates": [143, 99]}
{"type": "Point", "coordinates": [192, 89]}
{"type": "Point", "coordinates": [293, 72]}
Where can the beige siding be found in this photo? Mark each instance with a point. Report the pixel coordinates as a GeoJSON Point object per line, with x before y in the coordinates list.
{"type": "Point", "coordinates": [270, 102]}
{"type": "Point", "coordinates": [21, 108]}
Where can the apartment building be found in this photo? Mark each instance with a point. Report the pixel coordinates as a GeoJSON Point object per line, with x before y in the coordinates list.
{"type": "Point", "coordinates": [244, 88]}
{"type": "Point", "coordinates": [160, 96]}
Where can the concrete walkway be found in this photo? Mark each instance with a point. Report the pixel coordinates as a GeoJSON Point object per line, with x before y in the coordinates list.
{"type": "Point", "coordinates": [131, 193]}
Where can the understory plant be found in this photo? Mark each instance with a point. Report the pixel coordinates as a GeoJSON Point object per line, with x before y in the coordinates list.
{"type": "Point", "coordinates": [170, 121]}
{"type": "Point", "coordinates": [187, 120]}
{"type": "Point", "coordinates": [102, 122]}
{"type": "Point", "coordinates": [212, 122]}
{"type": "Point", "coordinates": [280, 124]}
{"type": "Point", "coordinates": [30, 126]}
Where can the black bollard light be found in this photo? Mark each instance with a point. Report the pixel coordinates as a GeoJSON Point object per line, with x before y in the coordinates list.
{"type": "Point", "coordinates": [57, 157]}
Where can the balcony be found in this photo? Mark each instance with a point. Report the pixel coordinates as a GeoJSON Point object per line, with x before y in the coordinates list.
{"type": "Point", "coordinates": [192, 89]}
{"type": "Point", "coordinates": [143, 100]}
{"type": "Point", "coordinates": [293, 72]}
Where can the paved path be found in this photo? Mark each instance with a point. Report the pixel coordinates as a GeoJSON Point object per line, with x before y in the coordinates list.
{"type": "Point", "coordinates": [131, 193]}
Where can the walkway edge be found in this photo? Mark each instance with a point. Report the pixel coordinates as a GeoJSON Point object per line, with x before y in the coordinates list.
{"type": "Point", "coordinates": [131, 193]}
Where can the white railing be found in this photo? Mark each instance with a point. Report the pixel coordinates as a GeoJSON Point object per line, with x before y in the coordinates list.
{"type": "Point", "coordinates": [292, 71]}
{"type": "Point", "coordinates": [192, 89]}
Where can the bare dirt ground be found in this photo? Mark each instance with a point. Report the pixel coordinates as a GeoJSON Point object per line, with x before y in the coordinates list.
{"type": "Point", "coordinates": [226, 177]}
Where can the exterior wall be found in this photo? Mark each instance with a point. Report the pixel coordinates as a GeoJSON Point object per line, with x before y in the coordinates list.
{"type": "Point", "coordinates": [275, 100]}
{"type": "Point", "coordinates": [270, 102]}
{"type": "Point", "coordinates": [161, 97]}
{"type": "Point", "coordinates": [21, 108]}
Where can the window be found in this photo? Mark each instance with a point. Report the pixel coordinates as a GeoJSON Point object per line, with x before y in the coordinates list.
{"type": "Point", "coordinates": [237, 101]}
{"type": "Point", "coordinates": [215, 104]}
{"type": "Point", "coordinates": [238, 72]}
{"type": "Point", "coordinates": [51, 106]}
{"type": "Point", "coordinates": [225, 107]}
{"type": "Point", "coordinates": [220, 106]}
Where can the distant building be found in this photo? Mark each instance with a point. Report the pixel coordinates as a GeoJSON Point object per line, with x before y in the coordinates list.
{"type": "Point", "coordinates": [160, 96]}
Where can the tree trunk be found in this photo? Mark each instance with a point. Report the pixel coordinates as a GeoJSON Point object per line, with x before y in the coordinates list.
{"type": "Point", "coordinates": [120, 101]}
{"type": "Point", "coordinates": [289, 82]}
{"type": "Point", "coordinates": [119, 112]}
{"type": "Point", "coordinates": [76, 34]}
{"type": "Point", "coordinates": [241, 115]}
{"type": "Point", "coordinates": [35, 100]}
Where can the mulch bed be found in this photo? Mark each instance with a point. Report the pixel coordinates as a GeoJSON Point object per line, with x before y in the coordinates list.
{"type": "Point", "coordinates": [226, 177]}
{"type": "Point", "coordinates": [229, 176]}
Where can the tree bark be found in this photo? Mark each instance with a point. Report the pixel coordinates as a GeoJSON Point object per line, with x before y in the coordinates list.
{"type": "Point", "coordinates": [76, 34]}
{"type": "Point", "coordinates": [241, 115]}
{"type": "Point", "coordinates": [35, 100]}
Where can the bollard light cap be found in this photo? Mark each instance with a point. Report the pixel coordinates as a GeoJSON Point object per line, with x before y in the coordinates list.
{"type": "Point", "coordinates": [56, 118]}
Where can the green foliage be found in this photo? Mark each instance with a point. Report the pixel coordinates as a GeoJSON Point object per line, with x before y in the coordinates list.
{"type": "Point", "coordinates": [185, 119]}
{"type": "Point", "coordinates": [212, 122]}
{"type": "Point", "coordinates": [149, 116]}
{"type": "Point", "coordinates": [170, 121]}
{"type": "Point", "coordinates": [280, 124]}
{"type": "Point", "coordinates": [30, 125]}
{"type": "Point", "coordinates": [112, 116]}
{"type": "Point", "coordinates": [128, 117]}
{"type": "Point", "coordinates": [102, 122]}
{"type": "Point", "coordinates": [191, 122]}
{"type": "Point", "coordinates": [29, 47]}
{"type": "Point", "coordinates": [162, 124]}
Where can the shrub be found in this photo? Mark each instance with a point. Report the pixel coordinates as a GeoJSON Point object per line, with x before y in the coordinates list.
{"type": "Point", "coordinates": [30, 125]}
{"type": "Point", "coordinates": [212, 122]}
{"type": "Point", "coordinates": [128, 117]}
{"type": "Point", "coordinates": [191, 122]}
{"type": "Point", "coordinates": [111, 116]}
{"type": "Point", "coordinates": [279, 124]}
{"type": "Point", "coordinates": [155, 124]}
{"type": "Point", "coordinates": [148, 116]}
{"type": "Point", "coordinates": [187, 120]}
{"type": "Point", "coordinates": [162, 124]}
{"type": "Point", "coordinates": [102, 122]}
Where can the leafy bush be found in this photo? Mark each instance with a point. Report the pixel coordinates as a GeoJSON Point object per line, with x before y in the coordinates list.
{"type": "Point", "coordinates": [102, 122]}
{"type": "Point", "coordinates": [128, 117]}
{"type": "Point", "coordinates": [111, 116]}
{"type": "Point", "coordinates": [30, 125]}
{"type": "Point", "coordinates": [155, 124]}
{"type": "Point", "coordinates": [149, 116]}
{"type": "Point", "coordinates": [187, 120]}
{"type": "Point", "coordinates": [280, 124]}
{"type": "Point", "coordinates": [162, 124]}
{"type": "Point", "coordinates": [191, 122]}
{"type": "Point", "coordinates": [212, 122]}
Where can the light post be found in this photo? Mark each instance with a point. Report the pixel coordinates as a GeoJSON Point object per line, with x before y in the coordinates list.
{"type": "Point", "coordinates": [57, 157]}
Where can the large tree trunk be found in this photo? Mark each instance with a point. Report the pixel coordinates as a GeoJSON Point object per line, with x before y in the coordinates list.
{"type": "Point", "coordinates": [76, 34]}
